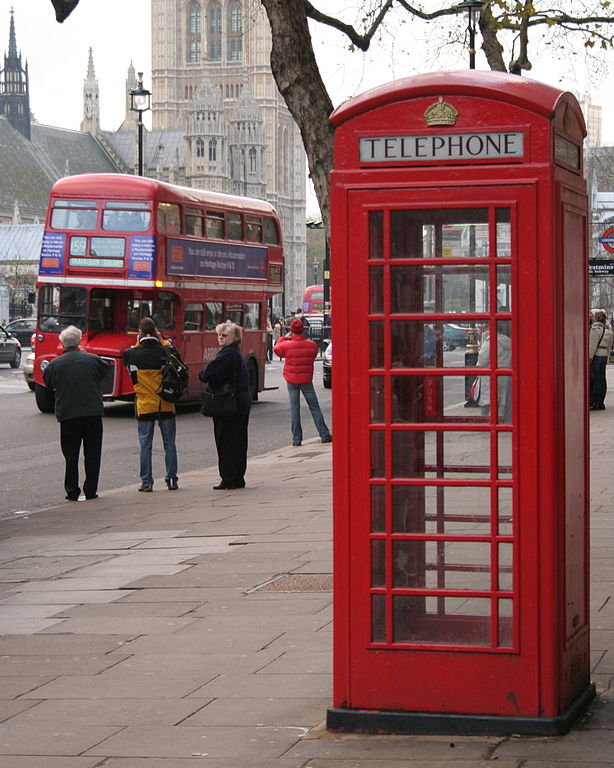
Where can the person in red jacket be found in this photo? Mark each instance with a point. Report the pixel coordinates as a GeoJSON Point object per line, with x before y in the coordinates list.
{"type": "Point", "coordinates": [298, 373]}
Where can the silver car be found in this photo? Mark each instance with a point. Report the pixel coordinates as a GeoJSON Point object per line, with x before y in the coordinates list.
{"type": "Point", "coordinates": [28, 370]}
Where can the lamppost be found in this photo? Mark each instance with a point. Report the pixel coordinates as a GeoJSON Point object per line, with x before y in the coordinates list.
{"type": "Point", "coordinates": [473, 8]}
{"type": "Point", "coordinates": [140, 101]}
{"type": "Point", "coordinates": [315, 271]}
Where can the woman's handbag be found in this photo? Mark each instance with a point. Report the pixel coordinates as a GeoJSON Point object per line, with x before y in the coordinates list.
{"type": "Point", "coordinates": [220, 403]}
{"type": "Point", "coordinates": [475, 389]}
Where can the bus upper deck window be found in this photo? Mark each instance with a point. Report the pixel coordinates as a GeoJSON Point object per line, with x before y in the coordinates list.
{"type": "Point", "coordinates": [168, 220]}
{"type": "Point", "coordinates": [253, 229]}
{"type": "Point", "coordinates": [270, 231]}
{"type": "Point", "coordinates": [126, 216]}
{"type": "Point", "coordinates": [234, 226]}
{"type": "Point", "coordinates": [73, 214]}
{"type": "Point", "coordinates": [215, 224]}
{"type": "Point", "coordinates": [193, 222]}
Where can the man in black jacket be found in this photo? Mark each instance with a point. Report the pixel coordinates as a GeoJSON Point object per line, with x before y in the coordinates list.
{"type": "Point", "coordinates": [75, 376]}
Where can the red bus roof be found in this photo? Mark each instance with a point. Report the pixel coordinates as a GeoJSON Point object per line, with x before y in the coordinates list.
{"type": "Point", "coordinates": [125, 186]}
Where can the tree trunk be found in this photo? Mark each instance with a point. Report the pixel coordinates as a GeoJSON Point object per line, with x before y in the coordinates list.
{"type": "Point", "coordinates": [493, 50]}
{"type": "Point", "coordinates": [299, 81]}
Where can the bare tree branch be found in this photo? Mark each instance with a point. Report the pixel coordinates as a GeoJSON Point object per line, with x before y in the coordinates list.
{"type": "Point", "coordinates": [360, 41]}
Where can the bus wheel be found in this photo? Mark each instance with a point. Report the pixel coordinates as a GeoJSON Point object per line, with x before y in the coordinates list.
{"type": "Point", "coordinates": [253, 379]}
{"type": "Point", "coordinates": [45, 399]}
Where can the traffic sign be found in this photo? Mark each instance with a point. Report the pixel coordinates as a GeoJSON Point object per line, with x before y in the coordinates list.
{"type": "Point", "coordinates": [607, 240]}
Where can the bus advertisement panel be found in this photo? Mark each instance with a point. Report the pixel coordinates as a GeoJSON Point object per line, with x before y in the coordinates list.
{"type": "Point", "coordinates": [118, 248]}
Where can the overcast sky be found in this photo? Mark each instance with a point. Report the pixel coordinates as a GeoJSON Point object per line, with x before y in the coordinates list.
{"type": "Point", "coordinates": [119, 32]}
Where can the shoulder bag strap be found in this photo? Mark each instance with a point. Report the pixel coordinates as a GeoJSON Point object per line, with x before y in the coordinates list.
{"type": "Point", "coordinates": [598, 343]}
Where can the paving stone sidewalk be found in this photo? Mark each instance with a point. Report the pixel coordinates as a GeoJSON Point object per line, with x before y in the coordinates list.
{"type": "Point", "coordinates": [168, 630]}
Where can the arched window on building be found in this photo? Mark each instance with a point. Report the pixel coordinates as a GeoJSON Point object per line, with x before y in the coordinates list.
{"type": "Point", "coordinates": [213, 151]}
{"type": "Point", "coordinates": [200, 148]}
{"type": "Point", "coordinates": [214, 32]}
{"type": "Point", "coordinates": [235, 31]}
{"type": "Point", "coordinates": [193, 46]}
{"type": "Point", "coordinates": [252, 160]}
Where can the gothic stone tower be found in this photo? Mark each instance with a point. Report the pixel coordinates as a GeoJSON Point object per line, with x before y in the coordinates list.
{"type": "Point", "coordinates": [91, 100]}
{"type": "Point", "coordinates": [204, 46]}
{"type": "Point", "coordinates": [14, 87]}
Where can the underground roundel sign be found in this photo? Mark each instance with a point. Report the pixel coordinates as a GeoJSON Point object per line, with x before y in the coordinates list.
{"type": "Point", "coordinates": [607, 240]}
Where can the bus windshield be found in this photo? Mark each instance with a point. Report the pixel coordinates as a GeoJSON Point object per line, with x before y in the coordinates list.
{"type": "Point", "coordinates": [60, 306]}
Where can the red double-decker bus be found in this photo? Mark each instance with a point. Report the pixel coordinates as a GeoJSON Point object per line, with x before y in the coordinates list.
{"type": "Point", "coordinates": [117, 248]}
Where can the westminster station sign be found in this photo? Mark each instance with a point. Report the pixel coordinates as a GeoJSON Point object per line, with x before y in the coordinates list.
{"type": "Point", "coordinates": [442, 146]}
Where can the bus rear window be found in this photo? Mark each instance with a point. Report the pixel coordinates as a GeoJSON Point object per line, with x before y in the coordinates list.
{"type": "Point", "coordinates": [270, 231]}
{"type": "Point", "coordinates": [73, 214]}
{"type": "Point", "coordinates": [253, 229]}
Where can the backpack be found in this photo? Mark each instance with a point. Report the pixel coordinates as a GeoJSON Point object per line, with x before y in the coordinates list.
{"type": "Point", "coordinates": [175, 376]}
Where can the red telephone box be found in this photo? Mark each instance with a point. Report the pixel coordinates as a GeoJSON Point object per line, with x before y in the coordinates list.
{"type": "Point", "coordinates": [461, 567]}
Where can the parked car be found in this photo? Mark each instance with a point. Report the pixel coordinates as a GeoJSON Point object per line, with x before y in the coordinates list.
{"type": "Point", "coordinates": [327, 366]}
{"type": "Point", "coordinates": [10, 349]}
{"type": "Point", "coordinates": [22, 329]}
{"type": "Point", "coordinates": [454, 336]}
{"type": "Point", "coordinates": [28, 370]}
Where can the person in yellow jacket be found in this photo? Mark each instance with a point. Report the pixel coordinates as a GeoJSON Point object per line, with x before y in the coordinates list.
{"type": "Point", "coordinates": [145, 361]}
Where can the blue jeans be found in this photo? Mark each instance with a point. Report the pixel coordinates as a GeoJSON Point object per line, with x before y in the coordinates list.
{"type": "Point", "coordinates": [168, 429]}
{"type": "Point", "coordinates": [309, 393]}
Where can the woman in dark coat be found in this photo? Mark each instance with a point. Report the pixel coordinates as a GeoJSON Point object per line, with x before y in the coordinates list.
{"type": "Point", "coordinates": [230, 430]}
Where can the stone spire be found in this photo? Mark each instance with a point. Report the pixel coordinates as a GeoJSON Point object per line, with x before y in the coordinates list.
{"type": "Point", "coordinates": [12, 54]}
{"type": "Point", "coordinates": [131, 118]}
{"type": "Point", "coordinates": [91, 99]}
{"type": "Point", "coordinates": [14, 86]}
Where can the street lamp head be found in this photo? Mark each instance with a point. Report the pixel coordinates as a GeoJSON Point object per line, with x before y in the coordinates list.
{"type": "Point", "coordinates": [140, 98]}
{"type": "Point", "coordinates": [473, 8]}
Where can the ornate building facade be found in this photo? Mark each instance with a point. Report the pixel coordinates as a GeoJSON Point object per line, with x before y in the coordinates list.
{"type": "Point", "coordinates": [218, 122]}
{"type": "Point", "coordinates": [211, 80]}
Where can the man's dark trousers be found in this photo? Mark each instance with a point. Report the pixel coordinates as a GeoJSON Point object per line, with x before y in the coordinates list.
{"type": "Point", "coordinates": [73, 432]}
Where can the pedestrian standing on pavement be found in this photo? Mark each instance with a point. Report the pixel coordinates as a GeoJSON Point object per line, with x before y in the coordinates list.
{"type": "Point", "coordinates": [145, 361]}
{"type": "Point", "coordinates": [600, 340]}
{"type": "Point", "coordinates": [76, 377]}
{"type": "Point", "coordinates": [230, 430]}
{"type": "Point", "coordinates": [300, 354]}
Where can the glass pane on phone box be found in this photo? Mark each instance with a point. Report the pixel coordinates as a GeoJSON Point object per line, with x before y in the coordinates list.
{"type": "Point", "coordinates": [377, 399]}
{"type": "Point", "coordinates": [378, 467]}
{"type": "Point", "coordinates": [413, 344]}
{"type": "Point", "coordinates": [464, 510]}
{"type": "Point", "coordinates": [459, 620]}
